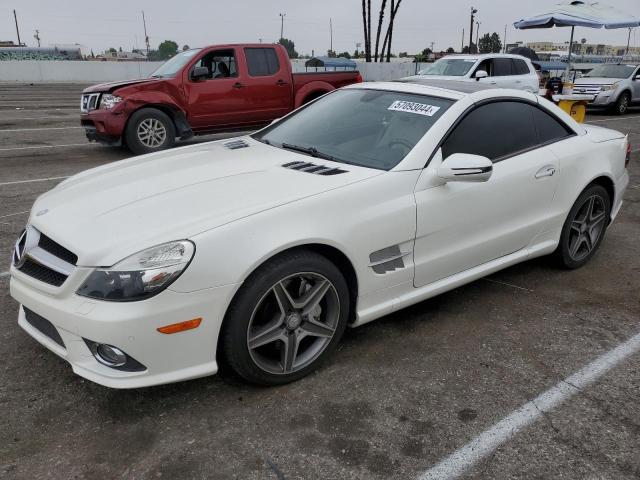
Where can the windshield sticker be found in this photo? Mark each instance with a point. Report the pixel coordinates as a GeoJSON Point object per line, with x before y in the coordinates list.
{"type": "Point", "coordinates": [412, 107]}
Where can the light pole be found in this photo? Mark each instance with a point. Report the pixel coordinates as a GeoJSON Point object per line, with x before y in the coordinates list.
{"type": "Point", "coordinates": [473, 12]}
{"type": "Point", "coordinates": [282, 15]}
{"type": "Point", "coordinates": [629, 40]}
{"type": "Point", "coordinates": [477, 37]}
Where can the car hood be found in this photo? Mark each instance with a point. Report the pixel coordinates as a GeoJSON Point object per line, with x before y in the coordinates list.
{"type": "Point", "coordinates": [597, 81]}
{"type": "Point", "coordinates": [110, 212]}
{"type": "Point", "coordinates": [112, 86]}
{"type": "Point", "coordinates": [459, 78]}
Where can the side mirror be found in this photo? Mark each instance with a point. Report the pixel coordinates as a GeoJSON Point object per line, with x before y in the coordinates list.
{"type": "Point", "coordinates": [480, 74]}
{"type": "Point", "coordinates": [465, 167]}
{"type": "Point", "coordinates": [200, 73]}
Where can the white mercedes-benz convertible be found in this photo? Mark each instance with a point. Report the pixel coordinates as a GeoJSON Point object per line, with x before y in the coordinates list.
{"type": "Point", "coordinates": [258, 252]}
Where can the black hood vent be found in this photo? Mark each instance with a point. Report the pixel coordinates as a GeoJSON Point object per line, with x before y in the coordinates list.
{"type": "Point", "coordinates": [309, 167]}
{"type": "Point", "coordinates": [236, 144]}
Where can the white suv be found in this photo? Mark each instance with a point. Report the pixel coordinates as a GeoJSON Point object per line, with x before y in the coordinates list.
{"type": "Point", "coordinates": [502, 70]}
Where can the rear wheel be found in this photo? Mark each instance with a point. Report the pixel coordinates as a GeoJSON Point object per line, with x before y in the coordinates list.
{"type": "Point", "coordinates": [149, 130]}
{"type": "Point", "coordinates": [622, 104]}
{"type": "Point", "coordinates": [287, 318]}
{"type": "Point", "coordinates": [584, 227]}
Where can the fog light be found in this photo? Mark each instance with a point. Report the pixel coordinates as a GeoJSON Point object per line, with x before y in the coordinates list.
{"type": "Point", "coordinates": [109, 355]}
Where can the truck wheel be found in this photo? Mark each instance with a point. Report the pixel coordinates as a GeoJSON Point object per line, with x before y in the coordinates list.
{"type": "Point", "coordinates": [149, 130]}
{"type": "Point", "coordinates": [622, 104]}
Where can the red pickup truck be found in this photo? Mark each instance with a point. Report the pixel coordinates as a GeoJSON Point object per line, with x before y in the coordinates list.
{"type": "Point", "coordinates": [207, 90]}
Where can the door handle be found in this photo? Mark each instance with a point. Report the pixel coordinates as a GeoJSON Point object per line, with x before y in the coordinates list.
{"type": "Point", "coordinates": [547, 171]}
{"type": "Point", "coordinates": [238, 85]}
{"type": "Point", "coordinates": [281, 82]}
{"type": "Point", "coordinates": [518, 81]}
{"type": "Point", "coordinates": [494, 83]}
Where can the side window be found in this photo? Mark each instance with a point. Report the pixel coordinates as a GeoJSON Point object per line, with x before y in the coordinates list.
{"type": "Point", "coordinates": [495, 130]}
{"type": "Point", "coordinates": [262, 62]}
{"type": "Point", "coordinates": [549, 129]}
{"type": "Point", "coordinates": [221, 64]}
{"type": "Point", "coordinates": [520, 67]}
{"type": "Point", "coordinates": [501, 67]}
{"type": "Point", "coordinates": [486, 66]}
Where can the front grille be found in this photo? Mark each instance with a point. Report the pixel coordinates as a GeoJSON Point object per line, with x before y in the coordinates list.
{"type": "Point", "coordinates": [43, 325]}
{"type": "Point", "coordinates": [587, 89]}
{"type": "Point", "coordinates": [56, 249]}
{"type": "Point", "coordinates": [88, 102]}
{"type": "Point", "coordinates": [42, 273]}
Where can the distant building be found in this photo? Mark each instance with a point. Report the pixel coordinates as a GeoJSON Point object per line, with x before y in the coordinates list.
{"type": "Point", "coordinates": [121, 57]}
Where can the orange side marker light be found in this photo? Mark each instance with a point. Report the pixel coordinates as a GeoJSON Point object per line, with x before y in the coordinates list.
{"type": "Point", "coordinates": [180, 327]}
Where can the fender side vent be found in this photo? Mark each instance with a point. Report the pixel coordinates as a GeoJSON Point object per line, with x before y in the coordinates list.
{"type": "Point", "coordinates": [387, 260]}
{"type": "Point", "coordinates": [313, 168]}
{"type": "Point", "coordinates": [236, 144]}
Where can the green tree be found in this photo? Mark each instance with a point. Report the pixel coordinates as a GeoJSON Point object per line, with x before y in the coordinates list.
{"type": "Point", "coordinates": [345, 55]}
{"type": "Point", "coordinates": [450, 50]}
{"type": "Point", "coordinates": [496, 44]}
{"type": "Point", "coordinates": [167, 49]}
{"type": "Point", "coordinates": [185, 48]}
{"type": "Point", "coordinates": [485, 44]}
{"type": "Point", "coordinates": [331, 54]}
{"type": "Point", "coordinates": [289, 46]}
{"type": "Point", "coordinates": [112, 50]}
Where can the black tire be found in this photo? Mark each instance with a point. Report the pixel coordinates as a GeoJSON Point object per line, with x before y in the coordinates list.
{"type": "Point", "coordinates": [149, 117]}
{"type": "Point", "coordinates": [579, 243]}
{"type": "Point", "coordinates": [622, 104]}
{"type": "Point", "coordinates": [255, 294]}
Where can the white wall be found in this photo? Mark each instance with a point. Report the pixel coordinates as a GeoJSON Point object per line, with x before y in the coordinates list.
{"type": "Point", "coordinates": [87, 72]}
{"type": "Point", "coordinates": [73, 71]}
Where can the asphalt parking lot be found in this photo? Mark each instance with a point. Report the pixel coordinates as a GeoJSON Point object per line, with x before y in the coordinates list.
{"type": "Point", "coordinates": [402, 393]}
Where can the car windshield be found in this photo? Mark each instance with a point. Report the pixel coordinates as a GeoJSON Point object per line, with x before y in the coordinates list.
{"type": "Point", "coordinates": [171, 67]}
{"type": "Point", "coordinates": [455, 67]}
{"type": "Point", "coordinates": [369, 128]}
{"type": "Point", "coordinates": [611, 71]}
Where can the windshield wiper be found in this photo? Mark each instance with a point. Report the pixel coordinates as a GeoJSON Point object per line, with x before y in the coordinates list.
{"type": "Point", "coordinates": [311, 151]}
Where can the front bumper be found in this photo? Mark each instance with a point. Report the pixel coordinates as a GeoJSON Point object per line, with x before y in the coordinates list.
{"type": "Point", "coordinates": [131, 327]}
{"type": "Point", "coordinates": [104, 126]}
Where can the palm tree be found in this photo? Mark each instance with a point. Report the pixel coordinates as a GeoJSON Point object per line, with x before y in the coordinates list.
{"type": "Point", "coordinates": [380, 20]}
{"type": "Point", "coordinates": [366, 36]}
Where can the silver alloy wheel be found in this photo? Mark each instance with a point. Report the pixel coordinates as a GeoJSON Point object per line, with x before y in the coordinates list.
{"type": "Point", "coordinates": [151, 132]}
{"type": "Point", "coordinates": [293, 323]}
{"type": "Point", "coordinates": [586, 227]}
{"type": "Point", "coordinates": [623, 106]}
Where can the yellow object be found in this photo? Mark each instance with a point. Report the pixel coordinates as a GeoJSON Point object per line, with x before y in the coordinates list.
{"type": "Point", "coordinates": [576, 108]}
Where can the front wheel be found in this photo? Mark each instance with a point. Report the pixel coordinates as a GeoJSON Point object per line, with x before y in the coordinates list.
{"type": "Point", "coordinates": [622, 104]}
{"type": "Point", "coordinates": [584, 227]}
{"type": "Point", "coordinates": [149, 130]}
{"type": "Point", "coordinates": [286, 319]}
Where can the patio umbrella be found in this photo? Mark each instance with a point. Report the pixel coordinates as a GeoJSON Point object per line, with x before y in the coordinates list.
{"type": "Point", "coordinates": [579, 14]}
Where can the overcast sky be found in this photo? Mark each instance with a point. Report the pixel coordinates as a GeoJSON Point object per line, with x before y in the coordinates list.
{"type": "Point", "coordinates": [118, 23]}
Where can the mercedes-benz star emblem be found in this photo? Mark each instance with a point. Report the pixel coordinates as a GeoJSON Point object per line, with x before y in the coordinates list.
{"type": "Point", "coordinates": [28, 239]}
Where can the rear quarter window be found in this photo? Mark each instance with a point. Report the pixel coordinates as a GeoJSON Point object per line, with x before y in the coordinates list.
{"type": "Point", "coordinates": [520, 67]}
{"type": "Point", "coordinates": [549, 128]}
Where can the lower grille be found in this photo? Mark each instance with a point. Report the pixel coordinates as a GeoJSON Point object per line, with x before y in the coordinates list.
{"type": "Point", "coordinates": [43, 325]}
{"type": "Point", "coordinates": [42, 273]}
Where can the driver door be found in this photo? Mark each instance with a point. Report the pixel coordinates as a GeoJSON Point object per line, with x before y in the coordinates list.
{"type": "Point", "coordinates": [635, 82]}
{"type": "Point", "coordinates": [215, 101]}
{"type": "Point", "coordinates": [463, 225]}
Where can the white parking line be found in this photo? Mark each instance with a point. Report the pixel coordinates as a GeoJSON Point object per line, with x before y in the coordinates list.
{"type": "Point", "coordinates": [37, 129]}
{"type": "Point", "coordinates": [34, 180]}
{"type": "Point", "coordinates": [13, 214]}
{"type": "Point", "coordinates": [484, 444]}
{"type": "Point", "coordinates": [617, 119]}
{"type": "Point", "coordinates": [49, 146]}
{"type": "Point", "coordinates": [4, 274]}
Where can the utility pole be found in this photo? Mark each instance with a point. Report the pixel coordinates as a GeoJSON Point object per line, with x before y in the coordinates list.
{"type": "Point", "coordinates": [37, 37]}
{"type": "Point", "coordinates": [282, 15]}
{"type": "Point", "coordinates": [331, 30]}
{"type": "Point", "coordinates": [628, 39]}
{"type": "Point", "coordinates": [15, 17]}
{"type": "Point", "coordinates": [478, 37]}
{"type": "Point", "coordinates": [504, 39]}
{"type": "Point", "coordinates": [462, 44]}
{"type": "Point", "coordinates": [146, 37]}
{"type": "Point", "coordinates": [432, 44]}
{"type": "Point", "coordinates": [473, 18]}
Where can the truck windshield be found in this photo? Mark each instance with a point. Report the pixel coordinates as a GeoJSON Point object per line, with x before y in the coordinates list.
{"type": "Point", "coordinates": [369, 128]}
{"type": "Point", "coordinates": [611, 71]}
{"type": "Point", "coordinates": [455, 67]}
{"type": "Point", "coordinates": [172, 66]}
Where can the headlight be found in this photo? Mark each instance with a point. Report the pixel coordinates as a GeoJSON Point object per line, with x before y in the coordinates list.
{"type": "Point", "coordinates": [609, 88]}
{"type": "Point", "coordinates": [141, 275]}
{"type": "Point", "coordinates": [108, 101]}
